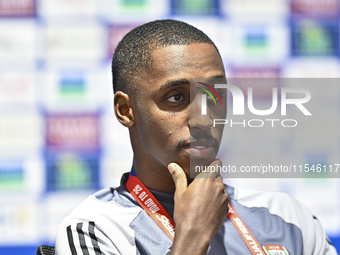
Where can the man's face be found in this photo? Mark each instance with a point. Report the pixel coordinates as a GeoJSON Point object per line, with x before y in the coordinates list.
{"type": "Point", "coordinates": [168, 120]}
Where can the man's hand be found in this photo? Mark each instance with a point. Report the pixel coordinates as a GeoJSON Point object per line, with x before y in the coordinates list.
{"type": "Point", "coordinates": [200, 209]}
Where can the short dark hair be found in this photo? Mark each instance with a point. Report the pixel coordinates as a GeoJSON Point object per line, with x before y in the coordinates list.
{"type": "Point", "coordinates": [132, 57]}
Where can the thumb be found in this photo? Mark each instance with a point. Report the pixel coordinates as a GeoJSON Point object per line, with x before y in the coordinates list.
{"type": "Point", "coordinates": [179, 177]}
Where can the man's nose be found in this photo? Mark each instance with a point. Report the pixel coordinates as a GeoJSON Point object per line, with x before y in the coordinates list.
{"type": "Point", "coordinates": [197, 119]}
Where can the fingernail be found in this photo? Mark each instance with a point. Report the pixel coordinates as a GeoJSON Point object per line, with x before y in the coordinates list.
{"type": "Point", "coordinates": [171, 167]}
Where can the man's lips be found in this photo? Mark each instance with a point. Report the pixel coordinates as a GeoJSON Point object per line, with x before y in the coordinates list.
{"type": "Point", "coordinates": [201, 143]}
{"type": "Point", "coordinates": [201, 148]}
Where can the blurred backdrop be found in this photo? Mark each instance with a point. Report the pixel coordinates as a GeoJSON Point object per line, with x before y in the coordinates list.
{"type": "Point", "coordinates": [59, 140]}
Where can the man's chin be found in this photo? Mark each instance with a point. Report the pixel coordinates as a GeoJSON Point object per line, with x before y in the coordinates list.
{"type": "Point", "coordinates": [198, 166]}
{"type": "Point", "coordinates": [193, 167]}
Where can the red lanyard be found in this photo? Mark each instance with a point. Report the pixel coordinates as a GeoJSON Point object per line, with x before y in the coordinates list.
{"type": "Point", "coordinates": [245, 233]}
{"type": "Point", "coordinates": [150, 204]}
{"type": "Point", "coordinates": [156, 211]}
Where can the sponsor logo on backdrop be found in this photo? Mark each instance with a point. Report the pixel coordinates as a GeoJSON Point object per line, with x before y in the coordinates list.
{"type": "Point", "coordinates": [133, 3]}
{"type": "Point", "coordinates": [253, 72]}
{"type": "Point", "coordinates": [75, 43]}
{"type": "Point", "coordinates": [18, 223]}
{"type": "Point", "coordinates": [259, 43]}
{"type": "Point", "coordinates": [256, 41]}
{"type": "Point", "coordinates": [116, 33]}
{"type": "Point", "coordinates": [79, 131]}
{"type": "Point", "coordinates": [20, 132]}
{"type": "Point", "coordinates": [72, 171]}
{"type": "Point", "coordinates": [72, 87]}
{"type": "Point", "coordinates": [12, 175]}
{"type": "Point", "coordinates": [189, 7]}
{"type": "Point", "coordinates": [315, 38]}
{"type": "Point", "coordinates": [66, 8]}
{"type": "Point", "coordinates": [18, 89]}
{"type": "Point", "coordinates": [318, 8]}
{"type": "Point", "coordinates": [17, 8]}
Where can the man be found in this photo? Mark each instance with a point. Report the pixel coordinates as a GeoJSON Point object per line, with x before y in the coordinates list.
{"type": "Point", "coordinates": [152, 67]}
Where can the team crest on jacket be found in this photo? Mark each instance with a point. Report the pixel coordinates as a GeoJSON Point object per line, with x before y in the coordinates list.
{"type": "Point", "coordinates": [275, 249]}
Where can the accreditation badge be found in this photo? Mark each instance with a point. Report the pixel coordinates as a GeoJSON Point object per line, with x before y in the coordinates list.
{"type": "Point", "coordinates": [274, 249]}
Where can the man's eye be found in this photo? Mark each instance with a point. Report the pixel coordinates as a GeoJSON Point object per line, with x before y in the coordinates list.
{"type": "Point", "coordinates": [175, 98]}
{"type": "Point", "coordinates": [212, 99]}
{"type": "Point", "coordinates": [214, 96]}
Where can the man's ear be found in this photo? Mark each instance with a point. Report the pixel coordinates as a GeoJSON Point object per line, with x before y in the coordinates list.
{"type": "Point", "coordinates": [122, 108]}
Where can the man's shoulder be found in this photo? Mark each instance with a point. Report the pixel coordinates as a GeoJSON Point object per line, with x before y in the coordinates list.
{"type": "Point", "coordinates": [103, 217]}
{"type": "Point", "coordinates": [276, 203]}
{"type": "Point", "coordinates": [257, 196]}
{"type": "Point", "coordinates": [279, 211]}
{"type": "Point", "coordinates": [106, 204]}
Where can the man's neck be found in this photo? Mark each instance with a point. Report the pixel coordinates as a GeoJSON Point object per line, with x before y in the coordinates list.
{"type": "Point", "coordinates": [156, 177]}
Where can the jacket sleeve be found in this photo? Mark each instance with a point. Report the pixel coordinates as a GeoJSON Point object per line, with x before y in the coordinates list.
{"type": "Point", "coordinates": [97, 227]}
{"type": "Point", "coordinates": [315, 240]}
{"type": "Point", "coordinates": [322, 245]}
{"type": "Point", "coordinates": [290, 210]}
{"type": "Point", "coordinates": [83, 238]}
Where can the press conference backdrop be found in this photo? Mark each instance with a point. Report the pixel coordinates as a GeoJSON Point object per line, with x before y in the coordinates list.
{"type": "Point", "coordinates": [59, 140]}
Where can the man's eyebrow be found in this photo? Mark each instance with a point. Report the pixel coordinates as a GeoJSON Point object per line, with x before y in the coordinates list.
{"type": "Point", "coordinates": [217, 77]}
{"type": "Point", "coordinates": [172, 83]}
